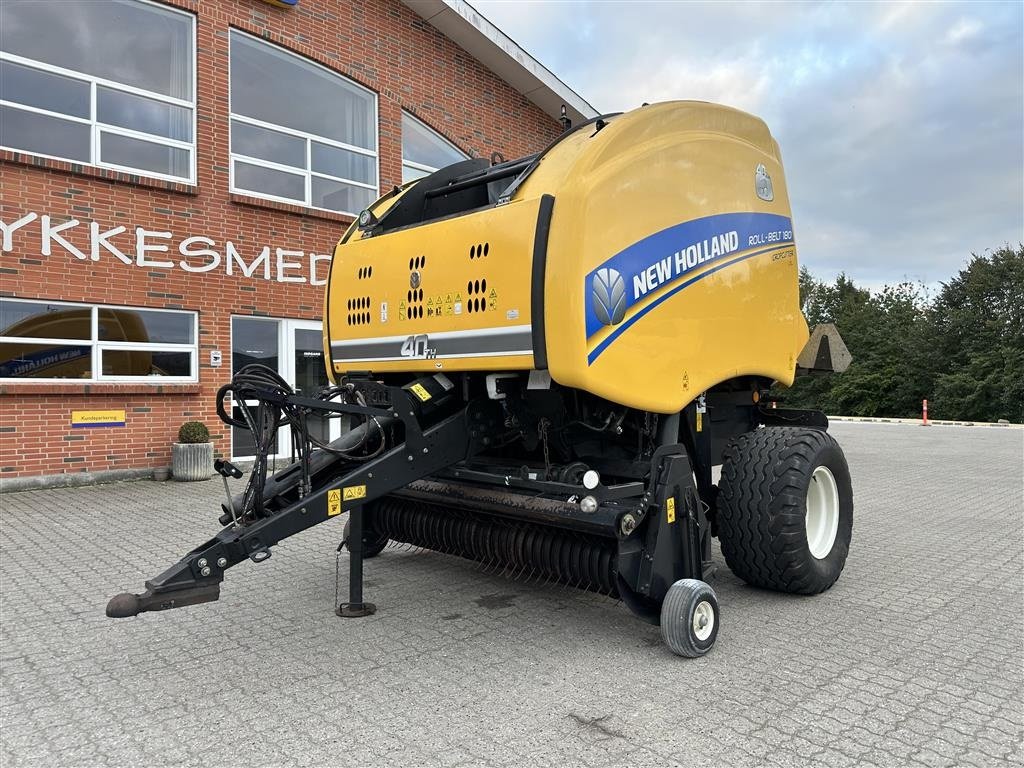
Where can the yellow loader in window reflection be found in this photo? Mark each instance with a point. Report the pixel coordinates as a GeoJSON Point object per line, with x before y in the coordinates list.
{"type": "Point", "coordinates": [46, 360]}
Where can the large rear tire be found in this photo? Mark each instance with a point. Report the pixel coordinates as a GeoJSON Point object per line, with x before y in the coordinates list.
{"type": "Point", "coordinates": [785, 509]}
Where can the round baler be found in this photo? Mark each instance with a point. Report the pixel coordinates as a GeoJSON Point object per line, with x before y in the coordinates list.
{"type": "Point", "coordinates": [540, 363]}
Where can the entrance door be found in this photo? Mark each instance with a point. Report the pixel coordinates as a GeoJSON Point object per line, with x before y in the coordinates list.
{"type": "Point", "coordinates": [308, 374]}
{"type": "Point", "coordinates": [292, 348]}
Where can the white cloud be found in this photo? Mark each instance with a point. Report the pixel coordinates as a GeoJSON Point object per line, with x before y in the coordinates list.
{"type": "Point", "coordinates": [964, 31]}
{"type": "Point", "coordinates": [900, 123]}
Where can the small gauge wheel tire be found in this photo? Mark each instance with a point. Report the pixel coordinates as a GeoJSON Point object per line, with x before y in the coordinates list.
{"type": "Point", "coordinates": [373, 542]}
{"type": "Point", "coordinates": [690, 618]}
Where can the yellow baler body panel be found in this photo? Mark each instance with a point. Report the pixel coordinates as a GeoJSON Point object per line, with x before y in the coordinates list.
{"type": "Point", "coordinates": [665, 271]}
{"type": "Point", "coordinates": [472, 292]}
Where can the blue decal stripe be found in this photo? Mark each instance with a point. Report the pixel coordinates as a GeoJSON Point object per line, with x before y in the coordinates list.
{"type": "Point", "coordinates": [600, 348]}
{"type": "Point", "coordinates": [667, 256]}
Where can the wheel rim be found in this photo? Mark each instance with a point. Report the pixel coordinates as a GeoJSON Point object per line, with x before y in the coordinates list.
{"type": "Point", "coordinates": [703, 620]}
{"type": "Point", "coordinates": [822, 519]}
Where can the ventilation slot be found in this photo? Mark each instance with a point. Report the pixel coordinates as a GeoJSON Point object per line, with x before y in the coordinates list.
{"type": "Point", "coordinates": [357, 311]}
{"type": "Point", "coordinates": [414, 303]}
{"type": "Point", "coordinates": [479, 300]}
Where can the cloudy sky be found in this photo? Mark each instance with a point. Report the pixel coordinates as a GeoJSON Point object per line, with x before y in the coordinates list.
{"type": "Point", "coordinates": [901, 124]}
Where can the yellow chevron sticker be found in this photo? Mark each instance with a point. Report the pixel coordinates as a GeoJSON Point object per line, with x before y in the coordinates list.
{"type": "Point", "coordinates": [670, 509]}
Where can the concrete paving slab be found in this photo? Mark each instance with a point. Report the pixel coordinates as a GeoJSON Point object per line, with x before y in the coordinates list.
{"type": "Point", "coordinates": [913, 658]}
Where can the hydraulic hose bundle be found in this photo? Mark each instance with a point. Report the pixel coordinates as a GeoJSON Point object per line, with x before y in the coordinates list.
{"type": "Point", "coordinates": [266, 403]}
{"type": "Point", "coordinates": [263, 419]}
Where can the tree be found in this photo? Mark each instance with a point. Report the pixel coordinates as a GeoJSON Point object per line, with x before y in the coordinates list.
{"type": "Point", "coordinates": [964, 351]}
{"type": "Point", "coordinates": [976, 332]}
{"type": "Point", "coordinates": [880, 331]}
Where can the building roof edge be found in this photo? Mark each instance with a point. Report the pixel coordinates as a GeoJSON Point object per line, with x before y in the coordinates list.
{"type": "Point", "coordinates": [474, 33]}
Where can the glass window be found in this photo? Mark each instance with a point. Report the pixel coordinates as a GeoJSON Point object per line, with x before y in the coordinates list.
{"type": "Point", "coordinates": [45, 90]}
{"type": "Point", "coordinates": [102, 83]}
{"type": "Point", "coordinates": [129, 363]}
{"type": "Point", "coordinates": [129, 152]}
{"type": "Point", "coordinates": [343, 164]}
{"type": "Point", "coordinates": [41, 134]}
{"type": "Point", "coordinates": [45, 360]}
{"type": "Point", "coordinates": [140, 113]}
{"type": "Point", "coordinates": [425, 150]}
{"type": "Point", "coordinates": [268, 181]}
{"type": "Point", "coordinates": [126, 41]}
{"type": "Point", "coordinates": [146, 326]}
{"type": "Point", "coordinates": [43, 320]}
{"type": "Point", "coordinates": [280, 88]}
{"type": "Point", "coordinates": [311, 376]}
{"type": "Point", "coordinates": [289, 113]}
{"type": "Point", "coordinates": [253, 340]}
{"type": "Point", "coordinates": [265, 144]}
{"type": "Point", "coordinates": [339, 196]}
{"type": "Point", "coordinates": [59, 340]}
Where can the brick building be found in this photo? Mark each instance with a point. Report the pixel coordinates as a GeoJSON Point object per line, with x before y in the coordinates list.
{"type": "Point", "coordinates": [173, 178]}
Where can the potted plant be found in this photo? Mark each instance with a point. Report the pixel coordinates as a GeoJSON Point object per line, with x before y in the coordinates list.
{"type": "Point", "coordinates": [192, 455]}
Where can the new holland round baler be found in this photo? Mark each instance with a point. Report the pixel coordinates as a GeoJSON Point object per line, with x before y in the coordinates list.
{"type": "Point", "coordinates": [539, 363]}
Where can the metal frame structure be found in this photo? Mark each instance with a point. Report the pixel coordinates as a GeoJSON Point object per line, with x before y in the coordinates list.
{"type": "Point", "coordinates": [637, 539]}
{"type": "Point", "coordinates": [646, 534]}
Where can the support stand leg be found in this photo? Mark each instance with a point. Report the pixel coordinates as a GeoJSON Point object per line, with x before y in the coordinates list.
{"type": "Point", "coordinates": [355, 607]}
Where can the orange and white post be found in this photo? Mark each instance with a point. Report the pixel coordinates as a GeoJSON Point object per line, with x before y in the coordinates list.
{"type": "Point", "coordinates": [924, 413]}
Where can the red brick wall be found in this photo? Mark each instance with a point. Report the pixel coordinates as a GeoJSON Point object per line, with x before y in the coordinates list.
{"type": "Point", "coordinates": [380, 44]}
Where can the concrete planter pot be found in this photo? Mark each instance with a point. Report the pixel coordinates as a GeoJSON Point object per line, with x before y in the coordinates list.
{"type": "Point", "coordinates": [192, 461]}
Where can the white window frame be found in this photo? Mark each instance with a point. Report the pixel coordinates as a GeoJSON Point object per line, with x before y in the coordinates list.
{"type": "Point", "coordinates": [97, 127]}
{"type": "Point", "coordinates": [307, 174]}
{"type": "Point", "coordinates": [98, 347]}
{"type": "Point", "coordinates": [421, 166]}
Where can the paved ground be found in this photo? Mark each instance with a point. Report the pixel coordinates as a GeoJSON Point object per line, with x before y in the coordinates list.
{"type": "Point", "coordinates": [913, 658]}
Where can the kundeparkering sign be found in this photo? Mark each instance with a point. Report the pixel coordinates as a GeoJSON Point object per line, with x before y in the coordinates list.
{"type": "Point", "coordinates": [153, 249]}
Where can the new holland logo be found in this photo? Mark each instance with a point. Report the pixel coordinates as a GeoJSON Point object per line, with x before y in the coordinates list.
{"type": "Point", "coordinates": [763, 184]}
{"type": "Point", "coordinates": [608, 291]}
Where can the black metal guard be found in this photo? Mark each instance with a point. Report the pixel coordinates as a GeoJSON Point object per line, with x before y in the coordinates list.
{"type": "Point", "coordinates": [196, 577]}
{"type": "Point", "coordinates": [658, 526]}
{"type": "Point", "coordinates": [668, 547]}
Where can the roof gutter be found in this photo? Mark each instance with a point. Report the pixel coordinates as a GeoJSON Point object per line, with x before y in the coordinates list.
{"type": "Point", "coordinates": [471, 31]}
